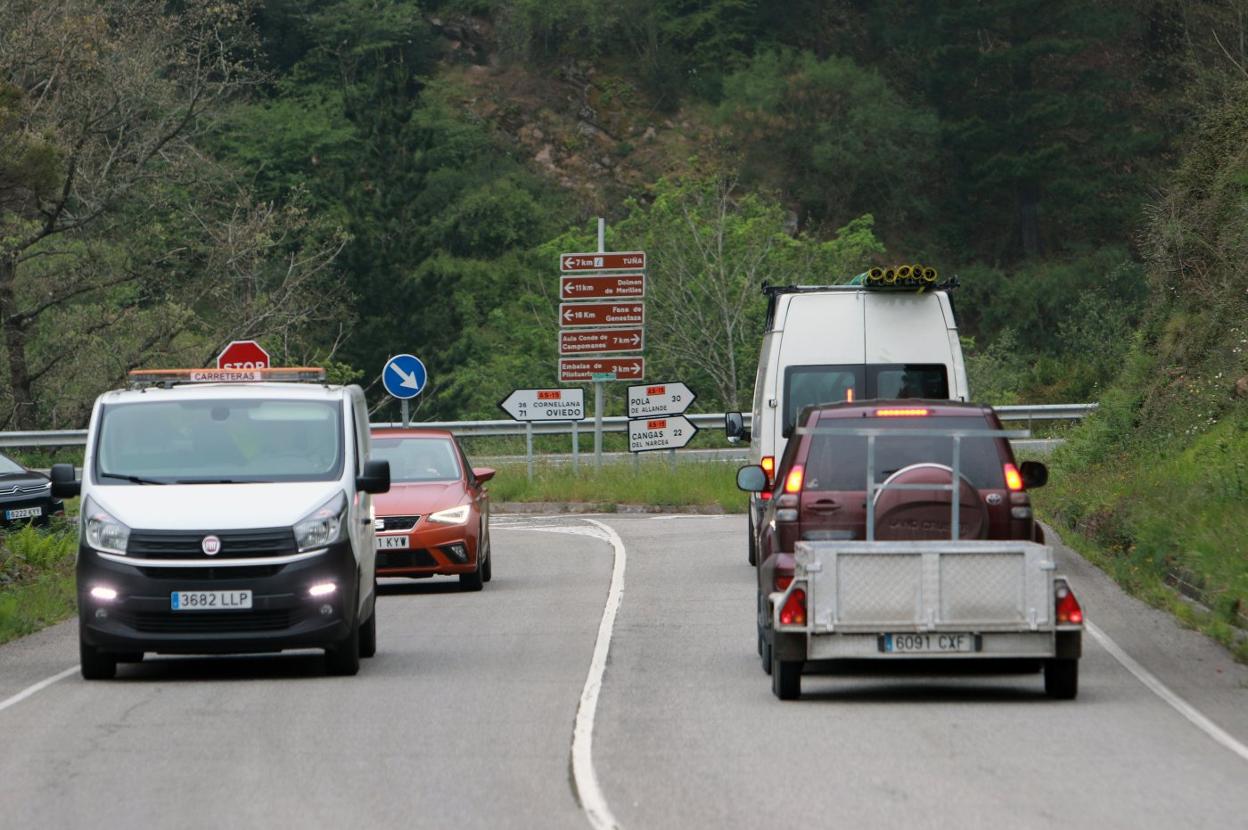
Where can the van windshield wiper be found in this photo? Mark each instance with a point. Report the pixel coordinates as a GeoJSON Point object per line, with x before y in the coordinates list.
{"type": "Point", "coordinates": [131, 479]}
{"type": "Point", "coordinates": [222, 481]}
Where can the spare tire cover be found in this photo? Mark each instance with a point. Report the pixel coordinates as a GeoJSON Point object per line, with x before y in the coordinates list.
{"type": "Point", "coordinates": [903, 515]}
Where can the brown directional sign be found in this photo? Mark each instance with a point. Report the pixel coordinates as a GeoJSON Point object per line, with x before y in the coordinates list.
{"type": "Point", "coordinates": [615, 261]}
{"type": "Point", "coordinates": [585, 369]}
{"type": "Point", "coordinates": [594, 315]}
{"type": "Point", "coordinates": [613, 286]}
{"type": "Point", "coordinates": [593, 341]}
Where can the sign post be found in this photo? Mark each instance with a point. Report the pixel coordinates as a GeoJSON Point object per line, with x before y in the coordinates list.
{"type": "Point", "coordinates": [599, 386]}
{"type": "Point", "coordinates": [404, 377]}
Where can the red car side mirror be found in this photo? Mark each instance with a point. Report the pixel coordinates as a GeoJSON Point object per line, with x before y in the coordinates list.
{"type": "Point", "coordinates": [483, 474]}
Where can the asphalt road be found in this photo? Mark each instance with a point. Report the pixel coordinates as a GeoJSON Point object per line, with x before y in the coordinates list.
{"type": "Point", "coordinates": [468, 713]}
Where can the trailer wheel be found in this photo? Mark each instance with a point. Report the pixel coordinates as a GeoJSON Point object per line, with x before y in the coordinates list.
{"type": "Point", "coordinates": [786, 679]}
{"type": "Point", "coordinates": [1061, 678]}
{"type": "Point", "coordinates": [764, 651]}
{"type": "Point", "coordinates": [753, 544]}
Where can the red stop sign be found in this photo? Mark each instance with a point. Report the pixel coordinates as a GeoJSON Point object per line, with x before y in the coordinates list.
{"type": "Point", "coordinates": [243, 354]}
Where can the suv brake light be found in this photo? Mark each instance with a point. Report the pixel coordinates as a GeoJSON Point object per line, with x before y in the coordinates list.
{"type": "Point", "coordinates": [1013, 479]}
{"type": "Point", "coordinates": [908, 412]}
{"type": "Point", "coordinates": [1069, 612]}
{"type": "Point", "coordinates": [793, 482]}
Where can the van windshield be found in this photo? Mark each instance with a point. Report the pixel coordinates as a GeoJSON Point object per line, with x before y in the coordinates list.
{"type": "Point", "coordinates": [219, 441]}
{"type": "Point", "coordinates": [839, 462]}
{"type": "Point", "coordinates": [812, 385]}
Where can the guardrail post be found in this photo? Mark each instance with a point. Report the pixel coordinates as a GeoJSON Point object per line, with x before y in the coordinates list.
{"type": "Point", "coordinates": [528, 447]}
{"type": "Point", "coordinates": [576, 449]}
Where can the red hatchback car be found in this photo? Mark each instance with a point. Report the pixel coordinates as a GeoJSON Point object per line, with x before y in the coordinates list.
{"type": "Point", "coordinates": [436, 517]}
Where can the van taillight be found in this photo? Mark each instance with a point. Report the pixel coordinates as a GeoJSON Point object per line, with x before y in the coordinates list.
{"type": "Point", "coordinates": [793, 482]}
{"type": "Point", "coordinates": [1013, 479]}
{"type": "Point", "coordinates": [794, 610]}
{"type": "Point", "coordinates": [769, 467]}
{"type": "Point", "coordinates": [1069, 611]}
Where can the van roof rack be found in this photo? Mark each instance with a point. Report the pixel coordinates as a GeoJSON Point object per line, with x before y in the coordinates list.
{"type": "Point", "coordinates": [174, 377]}
{"type": "Point", "coordinates": [774, 291]}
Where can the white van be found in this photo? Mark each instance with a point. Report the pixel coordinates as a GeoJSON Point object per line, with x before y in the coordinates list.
{"type": "Point", "coordinates": [825, 344]}
{"type": "Point", "coordinates": [224, 512]}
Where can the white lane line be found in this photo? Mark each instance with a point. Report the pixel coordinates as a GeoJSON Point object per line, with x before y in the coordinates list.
{"type": "Point", "coordinates": [35, 689]}
{"type": "Point", "coordinates": [1162, 691]}
{"type": "Point", "coordinates": [593, 802]}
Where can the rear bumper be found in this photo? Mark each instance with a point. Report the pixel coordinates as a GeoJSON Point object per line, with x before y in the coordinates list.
{"type": "Point", "coordinates": [1039, 645]}
{"type": "Point", "coordinates": [282, 616]}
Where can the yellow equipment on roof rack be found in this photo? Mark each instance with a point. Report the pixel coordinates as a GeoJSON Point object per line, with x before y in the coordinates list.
{"type": "Point", "coordinates": [171, 377]}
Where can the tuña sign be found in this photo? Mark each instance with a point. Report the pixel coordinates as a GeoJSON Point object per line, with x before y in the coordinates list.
{"type": "Point", "coordinates": [243, 354]}
{"type": "Point", "coordinates": [584, 369]}
{"type": "Point", "coordinates": [577, 287]}
{"type": "Point", "coordinates": [594, 341]}
{"type": "Point", "coordinates": [616, 261]}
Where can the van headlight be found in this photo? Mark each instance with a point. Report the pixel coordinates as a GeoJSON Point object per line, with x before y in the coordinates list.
{"type": "Point", "coordinates": [103, 532]}
{"type": "Point", "coordinates": [324, 525]}
{"type": "Point", "coordinates": [451, 516]}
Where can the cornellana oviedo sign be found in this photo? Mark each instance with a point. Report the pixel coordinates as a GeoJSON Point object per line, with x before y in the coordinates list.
{"type": "Point", "coordinates": [669, 433]}
{"type": "Point", "coordinates": [545, 405]}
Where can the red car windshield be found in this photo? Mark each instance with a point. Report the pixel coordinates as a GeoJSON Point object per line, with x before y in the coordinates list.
{"type": "Point", "coordinates": [839, 462]}
{"type": "Point", "coordinates": [418, 458]}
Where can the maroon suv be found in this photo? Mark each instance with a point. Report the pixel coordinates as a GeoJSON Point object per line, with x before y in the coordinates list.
{"type": "Point", "coordinates": [821, 485]}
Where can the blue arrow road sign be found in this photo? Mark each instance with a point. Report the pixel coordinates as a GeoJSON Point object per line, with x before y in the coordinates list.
{"type": "Point", "coordinates": [404, 376]}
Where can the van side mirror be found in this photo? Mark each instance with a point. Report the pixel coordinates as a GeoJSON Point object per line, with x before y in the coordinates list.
{"type": "Point", "coordinates": [752, 479]}
{"type": "Point", "coordinates": [65, 483]}
{"type": "Point", "coordinates": [376, 477]}
{"type": "Point", "coordinates": [482, 474]}
{"type": "Point", "coordinates": [734, 428]}
{"type": "Point", "coordinates": [1034, 474]}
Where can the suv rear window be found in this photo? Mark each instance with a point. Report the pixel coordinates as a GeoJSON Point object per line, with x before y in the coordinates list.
{"type": "Point", "coordinates": [839, 462]}
{"type": "Point", "coordinates": [811, 385]}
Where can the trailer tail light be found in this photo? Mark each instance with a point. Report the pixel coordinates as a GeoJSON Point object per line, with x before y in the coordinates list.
{"type": "Point", "coordinates": [1013, 478]}
{"type": "Point", "coordinates": [783, 581]}
{"type": "Point", "coordinates": [1069, 611]}
{"type": "Point", "coordinates": [794, 610]}
{"type": "Point", "coordinates": [793, 481]}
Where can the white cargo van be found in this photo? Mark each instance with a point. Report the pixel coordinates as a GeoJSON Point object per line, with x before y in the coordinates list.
{"type": "Point", "coordinates": [225, 512]}
{"type": "Point", "coordinates": [825, 344]}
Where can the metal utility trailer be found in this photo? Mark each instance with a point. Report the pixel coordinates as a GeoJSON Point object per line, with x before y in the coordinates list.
{"type": "Point", "coordinates": [931, 600]}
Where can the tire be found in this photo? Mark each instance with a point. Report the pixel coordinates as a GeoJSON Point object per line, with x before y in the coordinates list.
{"type": "Point", "coordinates": [95, 664]}
{"type": "Point", "coordinates": [129, 657]}
{"type": "Point", "coordinates": [753, 543]}
{"type": "Point", "coordinates": [474, 581]}
{"type": "Point", "coordinates": [344, 659]}
{"type": "Point", "coordinates": [786, 679]}
{"type": "Point", "coordinates": [765, 653]}
{"type": "Point", "coordinates": [368, 635]}
{"type": "Point", "coordinates": [1061, 678]}
{"type": "Point", "coordinates": [488, 567]}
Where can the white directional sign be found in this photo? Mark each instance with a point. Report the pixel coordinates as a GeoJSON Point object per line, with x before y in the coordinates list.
{"type": "Point", "coordinates": [667, 433]}
{"type": "Point", "coordinates": [652, 399]}
{"type": "Point", "coordinates": [545, 405]}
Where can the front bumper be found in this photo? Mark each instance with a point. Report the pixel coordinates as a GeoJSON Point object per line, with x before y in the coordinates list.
{"type": "Point", "coordinates": [282, 616]}
{"type": "Point", "coordinates": [432, 551]}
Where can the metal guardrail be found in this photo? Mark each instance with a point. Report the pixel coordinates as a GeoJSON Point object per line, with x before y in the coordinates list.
{"type": "Point", "coordinates": [615, 423]}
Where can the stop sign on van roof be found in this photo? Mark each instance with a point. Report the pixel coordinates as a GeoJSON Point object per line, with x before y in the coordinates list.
{"type": "Point", "coordinates": [243, 354]}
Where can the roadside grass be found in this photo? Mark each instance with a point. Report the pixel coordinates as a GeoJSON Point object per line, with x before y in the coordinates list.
{"type": "Point", "coordinates": [36, 578]}
{"type": "Point", "coordinates": [1145, 513]}
{"type": "Point", "coordinates": [689, 484]}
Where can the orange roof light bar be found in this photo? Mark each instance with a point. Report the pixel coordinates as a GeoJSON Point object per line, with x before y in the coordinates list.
{"type": "Point", "coordinates": [911, 412]}
{"type": "Point", "coordinates": [313, 374]}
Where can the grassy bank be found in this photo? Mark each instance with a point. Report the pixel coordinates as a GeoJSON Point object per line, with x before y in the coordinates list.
{"type": "Point", "coordinates": [36, 578]}
{"type": "Point", "coordinates": [703, 484]}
